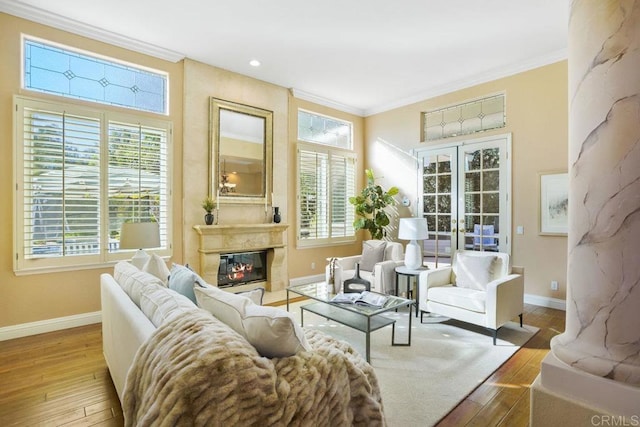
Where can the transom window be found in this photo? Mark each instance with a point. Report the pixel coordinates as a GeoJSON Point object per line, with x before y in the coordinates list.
{"type": "Point", "coordinates": [324, 130]}
{"type": "Point", "coordinates": [70, 73]}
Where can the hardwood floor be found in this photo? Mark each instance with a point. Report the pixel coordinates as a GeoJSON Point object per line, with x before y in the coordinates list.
{"type": "Point", "coordinates": [61, 378]}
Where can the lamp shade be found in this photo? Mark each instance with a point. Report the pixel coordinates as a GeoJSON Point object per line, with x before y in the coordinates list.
{"type": "Point", "coordinates": [139, 235]}
{"type": "Point", "coordinates": [413, 229]}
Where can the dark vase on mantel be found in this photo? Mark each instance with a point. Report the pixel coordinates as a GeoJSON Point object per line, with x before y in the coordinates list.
{"type": "Point", "coordinates": [276, 215]}
{"type": "Point", "coordinates": [208, 218]}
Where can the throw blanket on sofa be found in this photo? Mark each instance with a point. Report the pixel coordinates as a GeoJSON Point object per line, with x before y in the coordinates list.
{"type": "Point", "coordinates": [196, 371]}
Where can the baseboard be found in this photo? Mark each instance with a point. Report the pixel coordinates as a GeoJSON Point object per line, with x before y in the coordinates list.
{"type": "Point", "coordinates": [558, 304]}
{"type": "Point", "coordinates": [50, 325]}
{"type": "Point", "coordinates": [306, 279]}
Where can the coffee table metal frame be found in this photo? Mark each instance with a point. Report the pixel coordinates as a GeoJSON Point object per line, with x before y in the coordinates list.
{"type": "Point", "coordinates": [362, 318]}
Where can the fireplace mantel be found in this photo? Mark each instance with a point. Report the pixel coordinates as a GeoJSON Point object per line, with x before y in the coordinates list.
{"type": "Point", "coordinates": [222, 239]}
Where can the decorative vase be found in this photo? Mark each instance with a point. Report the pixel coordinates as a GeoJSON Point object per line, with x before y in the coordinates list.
{"type": "Point", "coordinates": [208, 218]}
{"type": "Point", "coordinates": [357, 283]}
{"type": "Point", "coordinates": [276, 215]}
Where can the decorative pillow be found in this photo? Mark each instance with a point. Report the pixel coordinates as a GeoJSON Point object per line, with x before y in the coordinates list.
{"type": "Point", "coordinates": [372, 253]}
{"type": "Point", "coordinates": [474, 271]}
{"type": "Point", "coordinates": [226, 306]}
{"type": "Point", "coordinates": [132, 280]}
{"type": "Point", "coordinates": [160, 304]}
{"type": "Point", "coordinates": [182, 280]}
{"type": "Point", "coordinates": [155, 265]}
{"type": "Point", "coordinates": [255, 295]}
{"type": "Point", "coordinates": [273, 331]}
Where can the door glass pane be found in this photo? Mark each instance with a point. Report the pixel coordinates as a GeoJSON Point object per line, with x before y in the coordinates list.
{"type": "Point", "coordinates": [444, 164]}
{"type": "Point", "coordinates": [493, 220]}
{"type": "Point", "coordinates": [431, 225]}
{"type": "Point", "coordinates": [444, 184]}
{"type": "Point", "coordinates": [472, 181]}
{"type": "Point", "coordinates": [444, 203]}
{"type": "Point", "coordinates": [491, 203]}
{"type": "Point", "coordinates": [429, 203]}
{"type": "Point", "coordinates": [472, 203]}
{"type": "Point", "coordinates": [472, 160]}
{"type": "Point", "coordinates": [429, 184]}
{"type": "Point", "coordinates": [491, 181]}
{"type": "Point", "coordinates": [491, 158]}
{"type": "Point", "coordinates": [429, 166]}
{"type": "Point", "coordinates": [444, 223]}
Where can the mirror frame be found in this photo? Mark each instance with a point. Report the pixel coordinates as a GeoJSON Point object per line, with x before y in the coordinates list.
{"type": "Point", "coordinates": [216, 105]}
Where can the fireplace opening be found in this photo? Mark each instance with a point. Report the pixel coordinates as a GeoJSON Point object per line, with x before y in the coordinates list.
{"type": "Point", "coordinates": [241, 268]}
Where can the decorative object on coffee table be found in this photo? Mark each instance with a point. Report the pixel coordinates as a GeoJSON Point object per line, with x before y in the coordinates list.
{"type": "Point", "coordinates": [207, 205]}
{"type": "Point", "coordinates": [276, 215]}
{"type": "Point", "coordinates": [357, 283]}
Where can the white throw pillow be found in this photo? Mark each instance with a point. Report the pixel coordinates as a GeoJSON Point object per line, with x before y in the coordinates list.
{"type": "Point", "coordinates": [155, 265]}
{"type": "Point", "coordinates": [132, 280]}
{"type": "Point", "coordinates": [160, 304]}
{"type": "Point", "coordinates": [272, 331]}
{"type": "Point", "coordinates": [474, 271]}
{"type": "Point", "coordinates": [254, 295]}
{"type": "Point", "coordinates": [372, 253]}
{"type": "Point", "coordinates": [227, 307]}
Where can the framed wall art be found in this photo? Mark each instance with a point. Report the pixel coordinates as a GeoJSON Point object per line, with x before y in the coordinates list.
{"type": "Point", "coordinates": [554, 203]}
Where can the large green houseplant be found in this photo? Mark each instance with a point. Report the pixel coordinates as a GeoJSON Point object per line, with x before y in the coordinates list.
{"type": "Point", "coordinates": [370, 205]}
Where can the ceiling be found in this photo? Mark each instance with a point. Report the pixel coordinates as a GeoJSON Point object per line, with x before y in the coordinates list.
{"type": "Point", "coordinates": [362, 56]}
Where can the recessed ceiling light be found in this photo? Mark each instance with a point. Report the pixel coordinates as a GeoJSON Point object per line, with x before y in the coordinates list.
{"type": "Point", "coordinates": [254, 63]}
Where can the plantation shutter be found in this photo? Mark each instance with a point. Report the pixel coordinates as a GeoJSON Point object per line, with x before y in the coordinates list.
{"type": "Point", "coordinates": [342, 187]}
{"type": "Point", "coordinates": [61, 180]}
{"type": "Point", "coordinates": [313, 194]}
{"type": "Point", "coordinates": [137, 176]}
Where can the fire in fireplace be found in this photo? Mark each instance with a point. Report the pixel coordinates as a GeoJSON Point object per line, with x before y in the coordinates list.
{"type": "Point", "coordinates": [241, 268]}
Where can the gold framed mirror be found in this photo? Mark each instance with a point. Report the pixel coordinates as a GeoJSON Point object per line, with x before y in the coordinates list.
{"type": "Point", "coordinates": [241, 143]}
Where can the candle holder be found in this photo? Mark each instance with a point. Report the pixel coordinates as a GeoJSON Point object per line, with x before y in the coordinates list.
{"type": "Point", "coordinates": [276, 215]}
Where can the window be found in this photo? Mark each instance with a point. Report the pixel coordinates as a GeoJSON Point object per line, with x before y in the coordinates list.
{"type": "Point", "coordinates": [326, 180]}
{"type": "Point", "coordinates": [80, 173]}
{"type": "Point", "coordinates": [324, 130]}
{"type": "Point", "coordinates": [63, 71]}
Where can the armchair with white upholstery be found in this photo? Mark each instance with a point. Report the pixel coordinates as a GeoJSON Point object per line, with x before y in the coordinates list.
{"type": "Point", "coordinates": [377, 265]}
{"type": "Point", "coordinates": [479, 287]}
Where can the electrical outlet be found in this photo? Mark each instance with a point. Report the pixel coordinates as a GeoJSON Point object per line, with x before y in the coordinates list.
{"type": "Point", "coordinates": [313, 265]}
{"type": "Point", "coordinates": [554, 285]}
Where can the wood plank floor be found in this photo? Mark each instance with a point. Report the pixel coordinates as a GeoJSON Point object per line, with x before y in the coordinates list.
{"type": "Point", "coordinates": [61, 379]}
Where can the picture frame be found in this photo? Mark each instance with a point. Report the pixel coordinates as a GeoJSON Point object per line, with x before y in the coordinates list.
{"type": "Point", "coordinates": [554, 203]}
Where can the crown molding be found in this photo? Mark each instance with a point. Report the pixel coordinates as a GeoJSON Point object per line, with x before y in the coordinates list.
{"type": "Point", "coordinates": [494, 74]}
{"type": "Point", "coordinates": [300, 94]}
{"type": "Point", "coordinates": [58, 21]}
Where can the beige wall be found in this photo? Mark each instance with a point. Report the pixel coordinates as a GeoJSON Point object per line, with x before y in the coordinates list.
{"type": "Point", "coordinates": [302, 258]}
{"type": "Point", "coordinates": [537, 118]}
{"type": "Point", "coordinates": [37, 297]}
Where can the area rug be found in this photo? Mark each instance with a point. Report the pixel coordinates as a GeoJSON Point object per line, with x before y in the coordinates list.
{"type": "Point", "coordinates": [446, 361]}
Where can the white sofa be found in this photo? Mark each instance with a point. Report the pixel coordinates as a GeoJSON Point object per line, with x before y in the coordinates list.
{"type": "Point", "coordinates": [381, 276]}
{"type": "Point", "coordinates": [479, 287]}
{"type": "Point", "coordinates": [141, 319]}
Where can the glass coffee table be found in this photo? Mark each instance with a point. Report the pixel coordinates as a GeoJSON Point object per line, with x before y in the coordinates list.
{"type": "Point", "coordinates": [360, 317]}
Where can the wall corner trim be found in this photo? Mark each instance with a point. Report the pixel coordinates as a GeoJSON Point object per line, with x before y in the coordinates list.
{"type": "Point", "coordinates": [558, 304]}
{"type": "Point", "coordinates": [49, 325]}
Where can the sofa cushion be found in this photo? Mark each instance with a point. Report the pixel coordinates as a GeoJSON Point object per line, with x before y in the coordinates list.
{"type": "Point", "coordinates": [272, 331]}
{"type": "Point", "coordinates": [465, 298]}
{"type": "Point", "coordinates": [132, 280]}
{"type": "Point", "coordinates": [155, 265]}
{"type": "Point", "coordinates": [226, 306]}
{"type": "Point", "coordinates": [160, 304]}
{"type": "Point", "coordinates": [182, 280]}
{"type": "Point", "coordinates": [474, 270]}
{"type": "Point", "coordinates": [255, 295]}
{"type": "Point", "coordinates": [372, 253]}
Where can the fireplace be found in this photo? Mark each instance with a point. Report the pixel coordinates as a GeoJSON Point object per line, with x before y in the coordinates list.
{"type": "Point", "coordinates": [242, 268]}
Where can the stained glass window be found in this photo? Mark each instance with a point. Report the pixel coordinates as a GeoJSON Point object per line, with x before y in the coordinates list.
{"type": "Point", "coordinates": [69, 73]}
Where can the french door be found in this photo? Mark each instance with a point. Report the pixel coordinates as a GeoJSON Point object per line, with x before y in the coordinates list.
{"type": "Point", "coordinates": [465, 196]}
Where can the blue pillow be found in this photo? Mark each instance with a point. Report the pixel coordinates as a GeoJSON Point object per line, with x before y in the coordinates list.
{"type": "Point", "coordinates": [183, 279]}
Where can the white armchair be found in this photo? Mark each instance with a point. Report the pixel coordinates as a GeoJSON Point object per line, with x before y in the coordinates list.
{"type": "Point", "coordinates": [480, 288]}
{"type": "Point", "coordinates": [377, 265]}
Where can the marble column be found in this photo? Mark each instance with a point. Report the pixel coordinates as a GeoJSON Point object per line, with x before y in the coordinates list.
{"type": "Point", "coordinates": [602, 334]}
{"type": "Point", "coordinates": [594, 366]}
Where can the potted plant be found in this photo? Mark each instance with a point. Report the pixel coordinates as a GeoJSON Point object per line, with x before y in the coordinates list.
{"type": "Point", "coordinates": [370, 205]}
{"type": "Point", "coordinates": [207, 205]}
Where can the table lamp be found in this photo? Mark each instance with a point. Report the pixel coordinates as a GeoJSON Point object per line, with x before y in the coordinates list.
{"type": "Point", "coordinates": [413, 229]}
{"type": "Point", "coordinates": [139, 235]}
